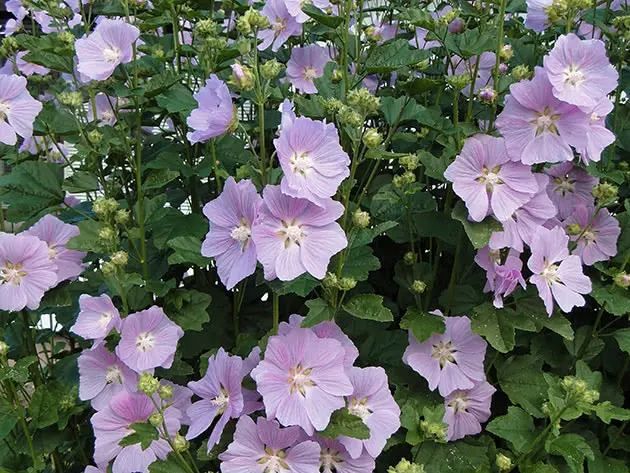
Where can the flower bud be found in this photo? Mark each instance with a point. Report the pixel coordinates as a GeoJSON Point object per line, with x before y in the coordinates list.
{"type": "Point", "coordinates": [165, 392]}
{"type": "Point", "coordinates": [506, 52]}
{"type": "Point", "coordinates": [373, 34]}
{"type": "Point", "coordinates": [336, 76]}
{"type": "Point", "coordinates": [398, 182]}
{"type": "Point", "coordinates": [363, 99]}
{"type": "Point", "coordinates": [503, 68]}
{"type": "Point", "coordinates": [70, 99]}
{"type": "Point", "coordinates": [205, 29]}
{"type": "Point", "coordinates": [103, 207]}
{"type": "Point", "coordinates": [404, 466]}
{"type": "Point", "coordinates": [503, 462]}
{"type": "Point", "coordinates": [456, 26]}
{"type": "Point", "coordinates": [623, 280]}
{"type": "Point", "coordinates": [361, 219]}
{"type": "Point", "coordinates": [409, 177]}
{"type": "Point", "coordinates": [242, 77]}
{"type": "Point", "coordinates": [9, 46]}
{"type": "Point", "coordinates": [180, 443]}
{"type": "Point", "coordinates": [107, 235]}
{"type": "Point", "coordinates": [156, 419]}
{"type": "Point", "coordinates": [332, 106]}
{"type": "Point", "coordinates": [521, 72]}
{"type": "Point", "coordinates": [418, 287]}
{"type": "Point", "coordinates": [372, 138]}
{"type": "Point", "coordinates": [67, 402]}
{"type": "Point", "coordinates": [409, 258]}
{"type": "Point", "coordinates": [347, 116]}
{"type": "Point", "coordinates": [433, 430]}
{"type": "Point", "coordinates": [148, 384]}
{"type": "Point", "coordinates": [121, 217]}
{"type": "Point", "coordinates": [120, 259]}
{"type": "Point", "coordinates": [410, 162]}
{"type": "Point", "coordinates": [108, 269]}
{"type": "Point", "coordinates": [487, 95]}
{"type": "Point", "coordinates": [4, 348]}
{"type": "Point", "coordinates": [605, 191]}
{"type": "Point", "coordinates": [243, 26]}
{"type": "Point", "coordinates": [574, 229]}
{"type": "Point", "coordinates": [95, 137]}
{"type": "Point", "coordinates": [330, 281]}
{"type": "Point", "coordinates": [459, 81]}
{"type": "Point", "coordinates": [158, 53]}
{"type": "Point", "coordinates": [346, 284]}
{"type": "Point", "coordinates": [422, 65]}
{"type": "Point", "coordinates": [66, 37]}
{"type": "Point", "coordinates": [271, 69]}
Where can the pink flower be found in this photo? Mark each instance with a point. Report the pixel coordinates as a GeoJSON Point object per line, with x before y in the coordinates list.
{"type": "Point", "coordinates": [56, 235]}
{"type": "Point", "coordinates": [283, 25]}
{"type": "Point", "coordinates": [102, 375]}
{"type": "Point", "coordinates": [449, 361]}
{"type": "Point", "coordinates": [374, 404]}
{"type": "Point", "coordinates": [294, 236]}
{"type": "Point", "coordinates": [508, 278]}
{"type": "Point", "coordinates": [467, 409]}
{"type": "Point", "coordinates": [302, 379]}
{"type": "Point", "coordinates": [97, 317]}
{"type": "Point", "coordinates": [294, 7]}
{"type": "Point", "coordinates": [580, 71]}
{"type": "Point", "coordinates": [538, 127]}
{"type": "Point", "coordinates": [109, 45]}
{"type": "Point", "coordinates": [599, 234]}
{"type": "Point", "coordinates": [215, 114]}
{"type": "Point", "coordinates": [306, 63]}
{"type": "Point", "coordinates": [313, 161]}
{"type": "Point", "coordinates": [569, 187]}
{"type": "Point", "coordinates": [563, 282]}
{"type": "Point", "coordinates": [334, 457]}
{"type": "Point", "coordinates": [18, 109]}
{"type": "Point", "coordinates": [105, 114]}
{"type": "Point", "coordinates": [419, 40]}
{"type": "Point", "coordinates": [598, 137]}
{"type": "Point", "coordinates": [26, 271]}
{"type": "Point", "coordinates": [488, 181]}
{"type": "Point", "coordinates": [148, 339]}
{"type": "Point", "coordinates": [229, 241]}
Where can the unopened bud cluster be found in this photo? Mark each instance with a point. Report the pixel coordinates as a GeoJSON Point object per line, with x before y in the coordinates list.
{"type": "Point", "coordinates": [404, 466]}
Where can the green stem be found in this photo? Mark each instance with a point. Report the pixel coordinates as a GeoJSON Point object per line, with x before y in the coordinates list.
{"type": "Point", "coordinates": [451, 284]}
{"type": "Point", "coordinates": [495, 73]}
{"type": "Point", "coordinates": [215, 165]}
{"type": "Point", "coordinates": [167, 437]}
{"type": "Point", "coordinates": [276, 312]}
{"type": "Point", "coordinates": [615, 438]}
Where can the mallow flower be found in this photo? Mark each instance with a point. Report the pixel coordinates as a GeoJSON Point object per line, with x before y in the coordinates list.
{"type": "Point", "coordinates": [596, 234]}
{"type": "Point", "coordinates": [302, 379]}
{"type": "Point", "coordinates": [508, 276]}
{"type": "Point", "coordinates": [467, 409]}
{"type": "Point", "coordinates": [215, 115]}
{"type": "Point", "coordinates": [334, 458]}
{"type": "Point", "coordinates": [18, 109]}
{"type": "Point", "coordinates": [294, 236]}
{"type": "Point", "coordinates": [294, 7]}
{"type": "Point", "coordinates": [306, 63]}
{"type": "Point", "coordinates": [570, 186]}
{"type": "Point", "coordinates": [488, 181]}
{"type": "Point", "coordinates": [105, 112]}
{"type": "Point", "coordinates": [229, 240]}
{"type": "Point", "coordinates": [598, 137]}
{"type": "Point", "coordinates": [97, 317]}
{"type": "Point", "coordinates": [110, 44]}
{"type": "Point", "coordinates": [282, 25]}
{"type": "Point", "coordinates": [556, 274]}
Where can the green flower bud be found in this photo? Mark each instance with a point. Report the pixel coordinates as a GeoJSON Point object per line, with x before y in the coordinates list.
{"type": "Point", "coordinates": [373, 34]}
{"type": "Point", "coordinates": [404, 466]}
{"type": "Point", "coordinates": [95, 137]}
{"type": "Point", "coordinates": [363, 99]}
{"type": "Point", "coordinates": [347, 116]}
{"type": "Point", "coordinates": [361, 219]}
{"type": "Point", "coordinates": [120, 259]}
{"type": "Point", "coordinates": [346, 284]}
{"type": "Point", "coordinates": [459, 81]}
{"type": "Point", "coordinates": [422, 65]}
{"type": "Point", "coordinates": [70, 99]}
{"type": "Point", "coordinates": [605, 191]}
{"type": "Point", "coordinates": [372, 138]}
{"type": "Point", "coordinates": [103, 207]}
{"type": "Point", "coordinates": [271, 69]}
{"type": "Point", "coordinates": [148, 384]}
{"type": "Point", "coordinates": [180, 443]}
{"type": "Point", "coordinates": [409, 258]}
{"type": "Point", "coordinates": [165, 392]}
{"type": "Point", "coordinates": [156, 419]}
{"type": "Point", "coordinates": [336, 76]}
{"type": "Point", "coordinates": [158, 53]}
{"type": "Point", "coordinates": [205, 29]}
{"type": "Point", "coordinates": [503, 462]}
{"type": "Point", "coordinates": [109, 270]}
{"type": "Point", "coordinates": [623, 280]}
{"type": "Point", "coordinates": [107, 235]}
{"type": "Point", "coordinates": [521, 72]}
{"type": "Point", "coordinates": [506, 52]}
{"type": "Point", "coordinates": [330, 281]}
{"type": "Point", "coordinates": [418, 287]}
{"type": "Point", "coordinates": [448, 17]}
{"type": "Point", "coordinates": [409, 177]}
{"type": "Point", "coordinates": [121, 217]}
{"type": "Point", "coordinates": [398, 182]}
{"type": "Point", "coordinates": [66, 37]}
{"type": "Point", "coordinates": [67, 402]}
{"type": "Point", "coordinates": [242, 77]}
{"type": "Point", "coordinates": [243, 26]}
{"type": "Point", "coordinates": [4, 348]}
{"type": "Point", "coordinates": [410, 162]}
{"type": "Point", "coordinates": [332, 106]}
{"type": "Point", "coordinates": [433, 430]}
{"type": "Point", "coordinates": [574, 229]}
{"type": "Point", "coordinates": [9, 46]}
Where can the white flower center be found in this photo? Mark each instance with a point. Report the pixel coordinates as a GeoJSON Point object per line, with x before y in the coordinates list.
{"type": "Point", "coordinates": [52, 252]}
{"type": "Point", "coordinates": [241, 233]}
{"type": "Point", "coordinates": [221, 401]}
{"type": "Point", "coordinates": [444, 352]}
{"type": "Point", "coordinates": [594, 117]}
{"type": "Point", "coordinates": [12, 273]}
{"type": "Point", "coordinates": [573, 76]}
{"type": "Point", "coordinates": [309, 73]}
{"type": "Point", "coordinates": [104, 319]}
{"type": "Point", "coordinates": [359, 408]}
{"type": "Point", "coordinates": [279, 26]}
{"type": "Point", "coordinates": [494, 256]}
{"type": "Point", "coordinates": [545, 122]}
{"type": "Point", "coordinates": [549, 273]}
{"type": "Point", "coordinates": [564, 185]}
{"type": "Point", "coordinates": [299, 379]}
{"type": "Point", "coordinates": [490, 177]}
{"type": "Point", "coordinates": [4, 109]}
{"type": "Point", "coordinates": [107, 115]}
{"type": "Point", "coordinates": [328, 459]}
{"type": "Point", "coordinates": [111, 54]}
{"type": "Point", "coordinates": [145, 341]}
{"type": "Point", "coordinates": [114, 375]}
{"type": "Point", "coordinates": [589, 236]}
{"type": "Point", "coordinates": [274, 461]}
{"type": "Point", "coordinates": [459, 403]}
{"type": "Point", "coordinates": [300, 163]}
{"type": "Point", "coordinates": [291, 233]}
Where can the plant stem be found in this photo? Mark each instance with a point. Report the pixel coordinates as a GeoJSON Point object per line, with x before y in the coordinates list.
{"type": "Point", "coordinates": [276, 312]}
{"type": "Point", "coordinates": [167, 437]}
{"type": "Point", "coordinates": [215, 165]}
{"type": "Point", "coordinates": [495, 73]}
{"type": "Point", "coordinates": [451, 284]}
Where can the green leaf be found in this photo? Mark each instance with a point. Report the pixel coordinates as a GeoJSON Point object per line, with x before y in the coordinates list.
{"type": "Point", "coordinates": [517, 427]}
{"type": "Point", "coordinates": [171, 465]}
{"type": "Point", "coordinates": [31, 187]}
{"type": "Point", "coordinates": [422, 324]}
{"type": "Point", "coordinates": [318, 311]}
{"type": "Point", "coordinates": [169, 223]}
{"type": "Point", "coordinates": [539, 468]}
{"type": "Point", "coordinates": [143, 433]}
{"type": "Point", "coordinates": [302, 285]}
{"type": "Point", "coordinates": [521, 378]}
{"type": "Point", "coordinates": [472, 42]}
{"type": "Point", "coordinates": [401, 109]}
{"type": "Point", "coordinates": [344, 423]}
{"type": "Point", "coordinates": [613, 298]}
{"type": "Point", "coordinates": [365, 236]}
{"type": "Point", "coordinates": [8, 417]}
{"type": "Point", "coordinates": [368, 306]}
{"type": "Point", "coordinates": [623, 339]}
{"type": "Point", "coordinates": [606, 411]}
{"type": "Point", "coordinates": [88, 239]}
{"type": "Point", "coordinates": [80, 181]}
{"type": "Point", "coordinates": [583, 344]}
{"type": "Point", "coordinates": [188, 308]}
{"type": "Point", "coordinates": [177, 99]}
{"type": "Point", "coordinates": [478, 232]}
{"type": "Point", "coordinates": [434, 167]}
{"type": "Point", "coordinates": [573, 448]}
{"type": "Point", "coordinates": [321, 17]}
{"type": "Point", "coordinates": [159, 178]}
{"type": "Point", "coordinates": [453, 457]}
{"type": "Point", "coordinates": [498, 325]}
{"type": "Point", "coordinates": [393, 55]}
{"type": "Point", "coordinates": [43, 408]}
{"type": "Point", "coordinates": [53, 120]}
{"type": "Point", "coordinates": [602, 464]}
{"type": "Point", "coordinates": [187, 250]}
{"type": "Point", "coordinates": [19, 371]}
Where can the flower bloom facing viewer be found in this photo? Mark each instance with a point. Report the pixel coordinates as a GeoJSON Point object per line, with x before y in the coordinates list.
{"type": "Point", "coordinates": [483, 175]}
{"type": "Point", "coordinates": [302, 379]}
{"type": "Point", "coordinates": [597, 236]}
{"type": "Point", "coordinates": [467, 409]}
{"type": "Point", "coordinates": [215, 115]}
{"type": "Point", "coordinates": [538, 127]}
{"type": "Point", "coordinates": [229, 241]}
{"type": "Point", "coordinates": [580, 71]}
{"type": "Point", "coordinates": [26, 271]}
{"type": "Point", "coordinates": [449, 361]}
{"type": "Point", "coordinates": [334, 457]}
{"type": "Point", "coordinates": [313, 161]}
{"type": "Point", "coordinates": [264, 446]}
{"type": "Point", "coordinates": [148, 339]}
{"type": "Point", "coordinates": [97, 317]}
{"type": "Point", "coordinates": [569, 187]}
{"type": "Point", "coordinates": [18, 109]}
{"type": "Point", "coordinates": [109, 45]}
{"type": "Point", "coordinates": [283, 25]}
{"type": "Point", "coordinates": [294, 236]}
{"type": "Point", "coordinates": [306, 63]}
{"type": "Point", "coordinates": [563, 282]}
{"type": "Point", "coordinates": [105, 109]}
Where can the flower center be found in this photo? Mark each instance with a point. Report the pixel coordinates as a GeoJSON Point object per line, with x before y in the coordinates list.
{"type": "Point", "coordinates": [114, 375]}
{"type": "Point", "coordinates": [309, 73]}
{"type": "Point", "coordinates": [444, 352]}
{"type": "Point", "coordinates": [595, 118]}
{"type": "Point", "coordinates": [145, 341]}
{"type": "Point", "coordinates": [107, 115]}
{"type": "Point", "coordinates": [299, 379]}
{"type": "Point", "coordinates": [589, 236]}
{"type": "Point", "coordinates": [328, 459]}
{"type": "Point", "coordinates": [241, 233]}
{"type": "Point", "coordinates": [564, 186]}
{"type": "Point", "coordinates": [279, 26]}
{"type": "Point", "coordinates": [490, 177]}
{"type": "Point", "coordinates": [4, 109]}
{"type": "Point", "coordinates": [292, 233]}
{"type": "Point", "coordinates": [573, 76]}
{"type": "Point", "coordinates": [359, 408]}
{"type": "Point", "coordinates": [104, 319]}
{"type": "Point", "coordinates": [300, 163]}
{"type": "Point", "coordinates": [111, 54]}
{"type": "Point", "coordinates": [221, 401]}
{"type": "Point", "coordinates": [12, 273]}
{"type": "Point", "coordinates": [549, 273]}
{"type": "Point", "coordinates": [494, 256]}
{"type": "Point", "coordinates": [52, 252]}
{"type": "Point", "coordinates": [274, 461]}
{"type": "Point", "coordinates": [545, 122]}
{"type": "Point", "coordinates": [459, 403]}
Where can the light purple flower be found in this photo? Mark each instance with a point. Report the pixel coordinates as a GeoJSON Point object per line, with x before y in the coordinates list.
{"type": "Point", "coordinates": [419, 40]}
{"type": "Point", "coordinates": [598, 137]}
{"type": "Point", "coordinates": [27, 68]}
{"type": "Point", "coordinates": [538, 127]}
{"type": "Point", "coordinates": [112, 424]}
{"type": "Point", "coordinates": [265, 447]}
{"type": "Point", "coordinates": [374, 404]}
{"type": "Point", "coordinates": [26, 271]}
{"type": "Point", "coordinates": [294, 7]}
{"type": "Point", "coordinates": [302, 379]}
{"type": "Point", "coordinates": [221, 395]}
{"type": "Point", "coordinates": [467, 409]}
{"type": "Point", "coordinates": [556, 274]}
{"type": "Point", "coordinates": [56, 234]}
{"type": "Point", "coordinates": [105, 114]}
{"type": "Point", "coordinates": [294, 236]}
{"type": "Point", "coordinates": [536, 18]}
{"type": "Point", "coordinates": [148, 340]}
{"type": "Point", "coordinates": [487, 62]}
{"type": "Point", "coordinates": [102, 375]}
{"type": "Point", "coordinates": [109, 45]}
{"type": "Point", "coordinates": [449, 361]}
{"type": "Point", "coordinates": [488, 260]}
{"type": "Point", "coordinates": [283, 25]}
{"type": "Point", "coordinates": [508, 278]}
{"type": "Point", "coordinates": [306, 63]}
{"type": "Point", "coordinates": [313, 161]}
{"type": "Point", "coordinates": [600, 232]}
{"type": "Point", "coordinates": [569, 187]}
{"type": "Point", "coordinates": [97, 317]}
{"type": "Point", "coordinates": [334, 457]}
{"type": "Point", "coordinates": [49, 24]}
{"type": "Point", "coordinates": [580, 71]}
{"type": "Point", "coordinates": [229, 241]}
{"type": "Point", "coordinates": [483, 175]}
{"type": "Point", "coordinates": [181, 399]}
{"type": "Point", "coordinates": [520, 227]}
{"type": "Point", "coordinates": [215, 114]}
{"type": "Point", "coordinates": [324, 330]}
{"type": "Point", "coordinates": [17, 109]}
